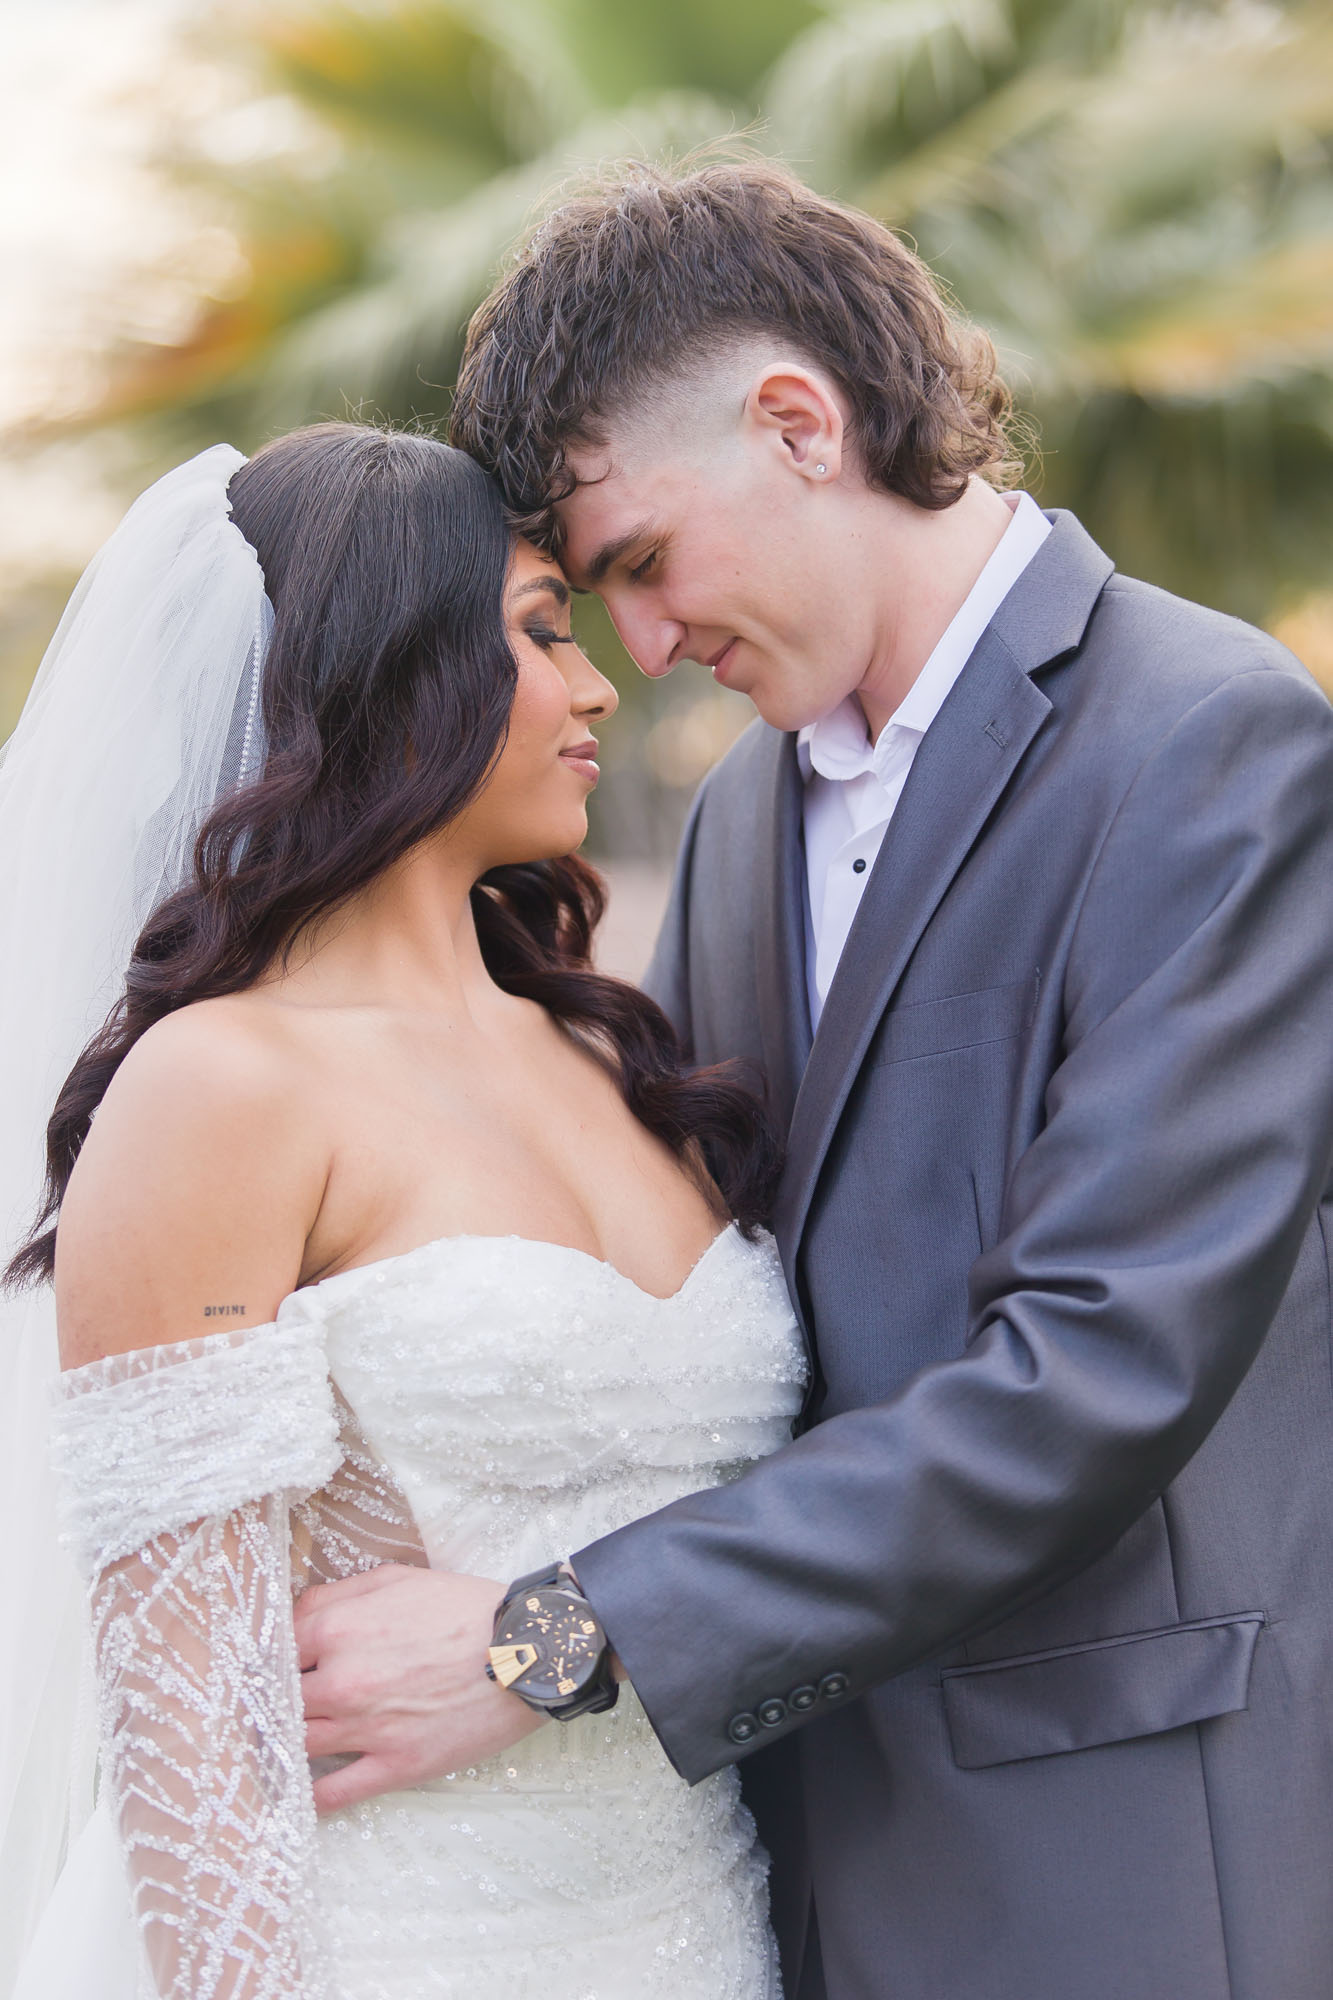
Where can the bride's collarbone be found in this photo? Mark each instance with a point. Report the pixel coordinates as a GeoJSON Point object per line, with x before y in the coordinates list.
{"type": "Point", "coordinates": [546, 1150]}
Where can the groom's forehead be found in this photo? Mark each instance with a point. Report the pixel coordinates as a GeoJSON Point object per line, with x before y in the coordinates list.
{"type": "Point", "coordinates": [617, 506]}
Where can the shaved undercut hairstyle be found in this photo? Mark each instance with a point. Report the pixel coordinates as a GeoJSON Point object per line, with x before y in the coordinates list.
{"type": "Point", "coordinates": [632, 285]}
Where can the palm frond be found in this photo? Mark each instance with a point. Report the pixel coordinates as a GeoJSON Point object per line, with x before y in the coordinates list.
{"type": "Point", "coordinates": [625, 52]}
{"type": "Point", "coordinates": [904, 70]}
{"type": "Point", "coordinates": [1196, 104]}
{"type": "Point", "coordinates": [417, 72]}
{"type": "Point", "coordinates": [1041, 207]}
{"type": "Point", "coordinates": [1229, 502]}
{"type": "Point", "coordinates": [970, 161]}
{"type": "Point", "coordinates": [395, 343]}
{"type": "Point", "coordinates": [1265, 319]}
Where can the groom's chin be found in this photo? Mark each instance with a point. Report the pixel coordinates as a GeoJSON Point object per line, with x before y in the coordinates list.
{"type": "Point", "coordinates": [785, 712]}
{"type": "Point", "coordinates": [785, 701]}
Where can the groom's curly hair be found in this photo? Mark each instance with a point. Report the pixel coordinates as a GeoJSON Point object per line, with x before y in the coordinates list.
{"type": "Point", "coordinates": [635, 281]}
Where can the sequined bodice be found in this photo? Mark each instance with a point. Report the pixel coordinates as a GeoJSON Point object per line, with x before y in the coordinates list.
{"type": "Point", "coordinates": [527, 1398]}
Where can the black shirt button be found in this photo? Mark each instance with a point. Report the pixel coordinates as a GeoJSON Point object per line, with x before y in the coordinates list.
{"type": "Point", "coordinates": [772, 1712]}
{"type": "Point", "coordinates": [742, 1728]}
{"type": "Point", "coordinates": [802, 1698]}
{"type": "Point", "coordinates": [833, 1687]}
{"type": "Point", "coordinates": [858, 866]}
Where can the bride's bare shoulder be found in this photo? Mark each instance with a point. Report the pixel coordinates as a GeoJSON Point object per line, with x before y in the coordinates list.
{"type": "Point", "coordinates": [197, 1185]}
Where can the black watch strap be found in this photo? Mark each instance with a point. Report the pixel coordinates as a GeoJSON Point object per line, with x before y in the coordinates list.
{"type": "Point", "coordinates": [555, 1576]}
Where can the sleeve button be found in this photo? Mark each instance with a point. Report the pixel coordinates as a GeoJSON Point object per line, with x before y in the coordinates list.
{"type": "Point", "coordinates": [802, 1698]}
{"type": "Point", "coordinates": [742, 1728]}
{"type": "Point", "coordinates": [772, 1712]}
{"type": "Point", "coordinates": [833, 1686]}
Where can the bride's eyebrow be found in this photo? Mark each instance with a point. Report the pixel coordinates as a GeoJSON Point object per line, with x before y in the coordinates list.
{"type": "Point", "coordinates": [546, 586]}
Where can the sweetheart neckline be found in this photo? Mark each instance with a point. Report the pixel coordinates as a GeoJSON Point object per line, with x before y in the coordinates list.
{"type": "Point", "coordinates": [540, 1243]}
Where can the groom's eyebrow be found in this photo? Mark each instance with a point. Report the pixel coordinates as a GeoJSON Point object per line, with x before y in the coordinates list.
{"type": "Point", "coordinates": [610, 552]}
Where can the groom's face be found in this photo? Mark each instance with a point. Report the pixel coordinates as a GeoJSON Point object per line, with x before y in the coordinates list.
{"type": "Point", "coordinates": [714, 552]}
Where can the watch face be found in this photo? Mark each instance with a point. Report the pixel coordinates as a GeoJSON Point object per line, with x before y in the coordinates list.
{"type": "Point", "coordinates": [547, 1646]}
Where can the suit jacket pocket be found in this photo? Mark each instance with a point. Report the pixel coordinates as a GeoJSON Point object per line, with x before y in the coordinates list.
{"type": "Point", "coordinates": [1106, 1691]}
{"type": "Point", "coordinates": [955, 1021]}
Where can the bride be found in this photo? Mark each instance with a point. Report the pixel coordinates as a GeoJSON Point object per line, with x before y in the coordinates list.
{"type": "Point", "coordinates": [381, 1229]}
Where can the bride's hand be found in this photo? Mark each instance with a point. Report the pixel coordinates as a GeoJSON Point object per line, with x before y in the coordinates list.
{"type": "Point", "coordinates": [393, 1671]}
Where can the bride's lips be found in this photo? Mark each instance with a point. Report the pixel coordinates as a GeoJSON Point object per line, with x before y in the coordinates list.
{"type": "Point", "coordinates": [719, 660]}
{"type": "Point", "coordinates": [582, 757]}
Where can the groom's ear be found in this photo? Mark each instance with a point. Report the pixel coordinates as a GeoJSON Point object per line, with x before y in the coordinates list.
{"type": "Point", "coordinates": [797, 412]}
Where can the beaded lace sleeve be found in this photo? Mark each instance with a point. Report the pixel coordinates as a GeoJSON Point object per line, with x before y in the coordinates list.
{"type": "Point", "coordinates": [177, 1467]}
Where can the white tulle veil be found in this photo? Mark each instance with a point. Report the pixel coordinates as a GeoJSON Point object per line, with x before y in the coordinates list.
{"type": "Point", "coordinates": [145, 710]}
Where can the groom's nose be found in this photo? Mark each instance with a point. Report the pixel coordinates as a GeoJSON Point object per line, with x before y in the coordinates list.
{"type": "Point", "coordinates": [654, 643]}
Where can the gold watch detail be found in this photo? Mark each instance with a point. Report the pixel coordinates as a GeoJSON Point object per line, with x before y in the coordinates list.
{"type": "Point", "coordinates": [511, 1661]}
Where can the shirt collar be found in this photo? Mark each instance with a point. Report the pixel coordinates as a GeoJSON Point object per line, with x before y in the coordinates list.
{"type": "Point", "coordinates": [837, 746]}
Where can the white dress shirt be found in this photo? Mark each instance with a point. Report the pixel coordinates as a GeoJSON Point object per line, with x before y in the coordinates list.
{"type": "Point", "coordinates": [852, 786]}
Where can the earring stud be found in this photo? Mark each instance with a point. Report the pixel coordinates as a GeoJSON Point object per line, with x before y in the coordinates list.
{"type": "Point", "coordinates": [821, 468]}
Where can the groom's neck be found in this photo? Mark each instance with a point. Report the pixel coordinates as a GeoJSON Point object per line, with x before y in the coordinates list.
{"type": "Point", "coordinates": [920, 567]}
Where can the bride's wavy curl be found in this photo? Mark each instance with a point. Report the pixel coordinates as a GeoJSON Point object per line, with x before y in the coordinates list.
{"type": "Point", "coordinates": [386, 693]}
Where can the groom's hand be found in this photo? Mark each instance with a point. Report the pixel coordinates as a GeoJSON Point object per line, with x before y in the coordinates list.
{"type": "Point", "coordinates": [394, 1671]}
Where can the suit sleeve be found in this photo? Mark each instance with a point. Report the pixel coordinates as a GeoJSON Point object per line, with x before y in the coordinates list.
{"type": "Point", "coordinates": [1149, 1233]}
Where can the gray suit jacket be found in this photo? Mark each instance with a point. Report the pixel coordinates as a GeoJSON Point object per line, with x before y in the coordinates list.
{"type": "Point", "coordinates": [1038, 1610]}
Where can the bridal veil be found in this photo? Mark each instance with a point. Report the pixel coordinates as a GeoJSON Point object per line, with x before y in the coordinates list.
{"type": "Point", "coordinates": [146, 709]}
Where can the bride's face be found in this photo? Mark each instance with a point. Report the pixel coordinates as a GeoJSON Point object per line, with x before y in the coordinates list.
{"type": "Point", "coordinates": [534, 805]}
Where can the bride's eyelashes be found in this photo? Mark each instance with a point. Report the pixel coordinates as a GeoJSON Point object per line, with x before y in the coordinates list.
{"type": "Point", "coordinates": [543, 636]}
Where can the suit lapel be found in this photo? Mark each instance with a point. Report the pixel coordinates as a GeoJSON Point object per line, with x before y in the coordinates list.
{"type": "Point", "coordinates": [784, 1014]}
{"type": "Point", "coordinates": [965, 760]}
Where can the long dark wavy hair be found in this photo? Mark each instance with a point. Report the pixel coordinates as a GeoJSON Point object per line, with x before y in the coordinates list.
{"type": "Point", "coordinates": [386, 693]}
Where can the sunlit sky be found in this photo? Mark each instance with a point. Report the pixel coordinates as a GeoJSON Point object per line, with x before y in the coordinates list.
{"type": "Point", "coordinates": [95, 246]}
{"type": "Point", "coordinates": [83, 87]}
{"type": "Point", "coordinates": [81, 217]}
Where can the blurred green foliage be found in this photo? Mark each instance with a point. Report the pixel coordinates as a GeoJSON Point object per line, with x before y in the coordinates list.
{"type": "Point", "coordinates": [1135, 197]}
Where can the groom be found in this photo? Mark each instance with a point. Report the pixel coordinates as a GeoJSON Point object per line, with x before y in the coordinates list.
{"type": "Point", "coordinates": [1021, 891]}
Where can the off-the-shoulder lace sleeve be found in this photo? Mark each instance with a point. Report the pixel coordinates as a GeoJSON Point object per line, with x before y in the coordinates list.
{"type": "Point", "coordinates": [177, 1467]}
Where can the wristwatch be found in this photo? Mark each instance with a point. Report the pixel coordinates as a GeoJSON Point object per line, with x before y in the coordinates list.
{"type": "Point", "coordinates": [549, 1648]}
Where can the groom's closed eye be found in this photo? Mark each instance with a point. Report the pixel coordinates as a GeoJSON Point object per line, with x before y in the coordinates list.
{"type": "Point", "coordinates": [641, 536]}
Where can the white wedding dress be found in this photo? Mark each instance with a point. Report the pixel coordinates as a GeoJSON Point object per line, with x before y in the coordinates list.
{"type": "Point", "coordinates": [481, 1404]}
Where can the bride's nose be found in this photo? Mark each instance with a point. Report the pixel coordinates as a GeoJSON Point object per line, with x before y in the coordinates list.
{"type": "Point", "coordinates": [591, 694]}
